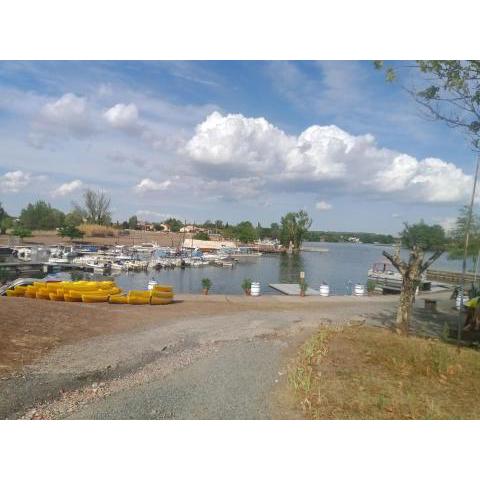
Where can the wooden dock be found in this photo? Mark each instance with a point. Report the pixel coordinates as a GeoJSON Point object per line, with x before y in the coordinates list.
{"type": "Point", "coordinates": [450, 277]}
{"type": "Point", "coordinates": [292, 289]}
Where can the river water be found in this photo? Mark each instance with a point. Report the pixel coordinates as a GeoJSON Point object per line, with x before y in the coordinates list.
{"type": "Point", "coordinates": [342, 266]}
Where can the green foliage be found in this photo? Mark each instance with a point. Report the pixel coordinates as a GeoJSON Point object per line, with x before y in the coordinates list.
{"type": "Point", "coordinates": [206, 283]}
{"type": "Point", "coordinates": [21, 231]}
{"type": "Point", "coordinates": [457, 237]}
{"type": "Point", "coordinates": [201, 236]}
{"type": "Point", "coordinates": [70, 231]}
{"type": "Point", "coordinates": [423, 236]}
{"type": "Point", "coordinates": [451, 93]}
{"type": "Point", "coordinates": [5, 223]}
{"type": "Point", "coordinates": [246, 284]}
{"type": "Point", "coordinates": [76, 216]}
{"type": "Point", "coordinates": [335, 237]}
{"type": "Point", "coordinates": [245, 232]}
{"type": "Point", "coordinates": [371, 284]}
{"type": "Point", "coordinates": [174, 224]}
{"type": "Point", "coordinates": [158, 227]}
{"type": "Point", "coordinates": [133, 222]}
{"type": "Point", "coordinates": [294, 228]}
{"type": "Point", "coordinates": [41, 216]}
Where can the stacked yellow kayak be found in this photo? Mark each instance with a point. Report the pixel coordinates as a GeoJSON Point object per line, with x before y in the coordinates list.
{"type": "Point", "coordinates": [93, 292]}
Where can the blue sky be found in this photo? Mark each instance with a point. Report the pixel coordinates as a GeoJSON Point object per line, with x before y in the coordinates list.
{"type": "Point", "coordinates": [232, 140]}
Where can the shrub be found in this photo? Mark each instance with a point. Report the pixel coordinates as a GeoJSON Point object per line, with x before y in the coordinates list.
{"type": "Point", "coordinates": [247, 284]}
{"type": "Point", "coordinates": [206, 283]}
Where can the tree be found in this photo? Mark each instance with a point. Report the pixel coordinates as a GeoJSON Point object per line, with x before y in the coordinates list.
{"type": "Point", "coordinates": [71, 231]}
{"type": "Point", "coordinates": [158, 227]}
{"type": "Point", "coordinates": [174, 224]}
{"type": "Point", "coordinates": [419, 239]}
{"type": "Point", "coordinates": [294, 228]}
{"type": "Point", "coordinates": [5, 224]}
{"type": "Point", "coordinates": [201, 236]}
{"type": "Point", "coordinates": [76, 216]}
{"type": "Point", "coordinates": [41, 216]}
{"type": "Point", "coordinates": [21, 231]}
{"type": "Point", "coordinates": [245, 232]}
{"type": "Point", "coordinates": [275, 230]}
{"type": "Point", "coordinates": [133, 222]}
{"type": "Point", "coordinates": [457, 237]}
{"type": "Point", "coordinates": [97, 207]}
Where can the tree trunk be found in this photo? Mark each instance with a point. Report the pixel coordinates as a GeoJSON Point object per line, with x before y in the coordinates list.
{"type": "Point", "coordinates": [405, 306]}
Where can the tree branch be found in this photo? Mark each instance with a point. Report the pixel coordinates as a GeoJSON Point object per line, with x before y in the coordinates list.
{"type": "Point", "coordinates": [431, 260]}
{"type": "Point", "coordinates": [397, 262]}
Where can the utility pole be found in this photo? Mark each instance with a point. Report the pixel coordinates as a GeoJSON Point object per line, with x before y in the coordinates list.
{"type": "Point", "coordinates": [465, 251]}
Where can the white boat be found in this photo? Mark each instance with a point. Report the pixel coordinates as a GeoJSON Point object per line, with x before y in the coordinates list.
{"type": "Point", "coordinates": [388, 278]}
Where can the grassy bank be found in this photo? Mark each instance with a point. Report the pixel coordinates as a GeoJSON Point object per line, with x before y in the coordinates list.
{"type": "Point", "coordinates": [371, 373]}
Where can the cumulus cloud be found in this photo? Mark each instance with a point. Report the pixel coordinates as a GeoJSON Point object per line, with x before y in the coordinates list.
{"type": "Point", "coordinates": [123, 117]}
{"type": "Point", "coordinates": [149, 185]}
{"type": "Point", "coordinates": [234, 146]}
{"type": "Point", "coordinates": [323, 205]}
{"type": "Point", "coordinates": [13, 182]}
{"type": "Point", "coordinates": [67, 188]}
{"type": "Point", "coordinates": [68, 114]}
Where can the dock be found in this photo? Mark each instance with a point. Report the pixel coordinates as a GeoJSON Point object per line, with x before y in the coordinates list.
{"type": "Point", "coordinates": [314, 249]}
{"type": "Point", "coordinates": [292, 289]}
{"type": "Point", "coordinates": [451, 277]}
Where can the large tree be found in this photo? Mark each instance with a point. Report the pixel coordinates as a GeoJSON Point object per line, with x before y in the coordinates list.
{"type": "Point", "coordinates": [419, 238]}
{"type": "Point", "coordinates": [97, 207]}
{"type": "Point", "coordinates": [245, 232]}
{"type": "Point", "coordinates": [294, 227]}
{"type": "Point", "coordinates": [457, 237]}
{"type": "Point", "coordinates": [41, 216]}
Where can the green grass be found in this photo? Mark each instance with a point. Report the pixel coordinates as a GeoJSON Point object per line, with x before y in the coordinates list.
{"type": "Point", "coordinates": [371, 373]}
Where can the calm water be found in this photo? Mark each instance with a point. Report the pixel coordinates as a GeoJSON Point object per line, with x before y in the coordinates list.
{"type": "Point", "coordinates": [343, 265]}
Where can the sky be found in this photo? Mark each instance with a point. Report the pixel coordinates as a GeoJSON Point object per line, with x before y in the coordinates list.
{"type": "Point", "coordinates": [231, 140]}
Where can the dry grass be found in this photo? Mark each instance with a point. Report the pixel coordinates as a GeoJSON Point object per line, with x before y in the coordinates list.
{"type": "Point", "coordinates": [371, 373]}
{"type": "Point", "coordinates": [92, 230]}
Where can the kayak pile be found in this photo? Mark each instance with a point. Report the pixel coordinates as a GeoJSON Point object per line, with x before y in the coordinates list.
{"type": "Point", "coordinates": [93, 292]}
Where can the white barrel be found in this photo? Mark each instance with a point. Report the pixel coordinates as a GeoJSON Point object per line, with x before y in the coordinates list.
{"type": "Point", "coordinates": [458, 301]}
{"type": "Point", "coordinates": [255, 289]}
{"type": "Point", "coordinates": [359, 289]}
{"type": "Point", "coordinates": [324, 290]}
{"type": "Point", "coordinates": [151, 284]}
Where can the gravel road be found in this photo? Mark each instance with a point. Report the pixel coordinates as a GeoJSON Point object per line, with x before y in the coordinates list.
{"type": "Point", "coordinates": [221, 366]}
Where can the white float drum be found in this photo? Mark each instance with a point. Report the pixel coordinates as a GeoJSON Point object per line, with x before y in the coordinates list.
{"type": "Point", "coordinates": [458, 301]}
{"type": "Point", "coordinates": [152, 284]}
{"type": "Point", "coordinates": [255, 289]}
{"type": "Point", "coordinates": [359, 290]}
{"type": "Point", "coordinates": [324, 290]}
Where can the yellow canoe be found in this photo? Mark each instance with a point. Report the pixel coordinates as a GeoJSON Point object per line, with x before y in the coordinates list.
{"type": "Point", "coordinates": [162, 288]}
{"type": "Point", "coordinates": [13, 293]}
{"type": "Point", "coordinates": [30, 294]}
{"type": "Point", "coordinates": [138, 300]}
{"type": "Point", "coordinates": [162, 294]}
{"type": "Point", "coordinates": [42, 294]}
{"type": "Point", "coordinates": [94, 298]}
{"type": "Point", "coordinates": [55, 297]}
{"type": "Point", "coordinates": [118, 299]}
{"type": "Point", "coordinates": [140, 293]}
{"type": "Point", "coordinates": [70, 298]}
{"type": "Point", "coordinates": [160, 301]}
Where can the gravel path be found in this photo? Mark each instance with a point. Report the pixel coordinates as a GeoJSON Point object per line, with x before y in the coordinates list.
{"type": "Point", "coordinates": [223, 366]}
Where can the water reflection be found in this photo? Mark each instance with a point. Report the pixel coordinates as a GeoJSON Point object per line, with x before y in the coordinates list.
{"type": "Point", "coordinates": [290, 267]}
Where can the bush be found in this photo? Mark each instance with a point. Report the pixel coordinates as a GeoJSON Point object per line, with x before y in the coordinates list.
{"type": "Point", "coordinates": [70, 231]}
{"type": "Point", "coordinates": [371, 285]}
{"type": "Point", "coordinates": [247, 284]}
{"type": "Point", "coordinates": [201, 236]}
{"type": "Point", "coordinates": [21, 231]}
{"type": "Point", "coordinates": [206, 283]}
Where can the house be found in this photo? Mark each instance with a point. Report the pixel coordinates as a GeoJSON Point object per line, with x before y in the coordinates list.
{"type": "Point", "coordinates": [191, 229]}
{"type": "Point", "coordinates": [165, 227]}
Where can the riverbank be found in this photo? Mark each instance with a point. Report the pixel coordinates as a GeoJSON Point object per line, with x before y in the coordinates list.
{"type": "Point", "coordinates": [54, 355]}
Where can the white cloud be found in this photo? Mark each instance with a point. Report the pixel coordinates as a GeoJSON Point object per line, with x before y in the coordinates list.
{"type": "Point", "coordinates": [13, 182]}
{"type": "Point", "coordinates": [123, 117]}
{"type": "Point", "coordinates": [69, 114]}
{"type": "Point", "coordinates": [148, 214]}
{"type": "Point", "coordinates": [234, 146]}
{"type": "Point", "coordinates": [149, 185]}
{"type": "Point", "coordinates": [323, 205]}
{"type": "Point", "coordinates": [67, 188]}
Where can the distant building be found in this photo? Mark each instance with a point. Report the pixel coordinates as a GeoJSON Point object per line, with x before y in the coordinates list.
{"type": "Point", "coordinates": [191, 229]}
{"type": "Point", "coordinates": [166, 228]}
{"type": "Point", "coordinates": [353, 240]}
{"type": "Point", "coordinates": [208, 245]}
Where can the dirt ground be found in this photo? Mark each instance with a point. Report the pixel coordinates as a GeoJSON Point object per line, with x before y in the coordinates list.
{"type": "Point", "coordinates": [30, 328]}
{"type": "Point", "coordinates": [163, 239]}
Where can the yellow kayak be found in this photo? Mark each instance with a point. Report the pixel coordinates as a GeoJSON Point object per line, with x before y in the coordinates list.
{"type": "Point", "coordinates": [161, 294]}
{"type": "Point", "coordinates": [55, 297]}
{"type": "Point", "coordinates": [42, 294]}
{"type": "Point", "coordinates": [138, 300]}
{"type": "Point", "coordinates": [94, 298]}
{"type": "Point", "coordinates": [118, 299]}
{"type": "Point", "coordinates": [69, 298]}
{"type": "Point", "coordinates": [140, 293]}
{"type": "Point", "coordinates": [162, 288]}
{"type": "Point", "coordinates": [160, 301]}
